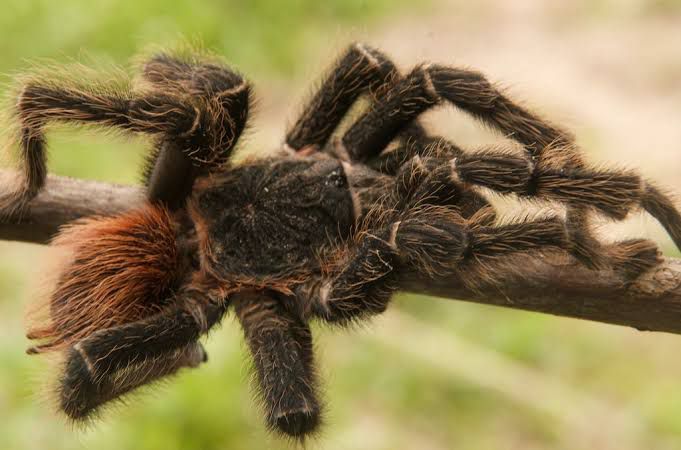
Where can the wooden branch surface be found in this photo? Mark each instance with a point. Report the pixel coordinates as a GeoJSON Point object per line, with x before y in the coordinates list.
{"type": "Point", "coordinates": [555, 285]}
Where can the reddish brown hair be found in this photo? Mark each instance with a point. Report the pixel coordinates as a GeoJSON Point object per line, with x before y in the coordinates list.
{"type": "Point", "coordinates": [121, 269]}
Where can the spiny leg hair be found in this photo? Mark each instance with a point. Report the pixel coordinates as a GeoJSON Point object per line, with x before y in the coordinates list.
{"type": "Point", "coordinates": [431, 240]}
{"type": "Point", "coordinates": [280, 343]}
{"type": "Point", "coordinates": [359, 70]}
{"type": "Point", "coordinates": [81, 396]}
{"type": "Point", "coordinates": [429, 85]}
{"type": "Point", "coordinates": [92, 362]}
{"type": "Point", "coordinates": [204, 127]}
{"type": "Point", "coordinates": [171, 168]}
{"type": "Point", "coordinates": [417, 234]}
{"type": "Point", "coordinates": [402, 100]}
{"type": "Point", "coordinates": [614, 193]}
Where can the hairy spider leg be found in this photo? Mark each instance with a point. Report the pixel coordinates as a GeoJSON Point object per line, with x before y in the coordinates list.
{"type": "Point", "coordinates": [92, 361]}
{"type": "Point", "coordinates": [280, 343]}
{"type": "Point", "coordinates": [80, 396]}
{"type": "Point", "coordinates": [361, 70]}
{"type": "Point", "coordinates": [365, 285]}
{"type": "Point", "coordinates": [171, 169]}
{"type": "Point", "coordinates": [425, 238]}
{"type": "Point", "coordinates": [613, 193]}
{"type": "Point", "coordinates": [358, 71]}
{"type": "Point", "coordinates": [429, 85]}
{"type": "Point", "coordinates": [204, 128]}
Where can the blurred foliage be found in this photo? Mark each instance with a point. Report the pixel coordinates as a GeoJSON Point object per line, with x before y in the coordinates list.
{"type": "Point", "coordinates": [379, 397]}
{"type": "Point", "coordinates": [261, 35]}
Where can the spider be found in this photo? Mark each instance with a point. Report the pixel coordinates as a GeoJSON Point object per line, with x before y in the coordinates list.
{"type": "Point", "coordinates": [322, 229]}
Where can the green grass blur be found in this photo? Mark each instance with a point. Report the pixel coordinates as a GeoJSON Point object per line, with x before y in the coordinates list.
{"type": "Point", "coordinates": [542, 382]}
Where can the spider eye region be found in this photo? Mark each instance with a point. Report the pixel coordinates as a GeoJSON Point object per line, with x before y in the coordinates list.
{"type": "Point", "coordinates": [336, 178]}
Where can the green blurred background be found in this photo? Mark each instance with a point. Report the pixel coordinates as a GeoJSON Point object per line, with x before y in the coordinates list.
{"type": "Point", "coordinates": [429, 374]}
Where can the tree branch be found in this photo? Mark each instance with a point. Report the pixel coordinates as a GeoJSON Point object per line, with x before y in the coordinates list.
{"type": "Point", "coordinates": [556, 285]}
{"type": "Point", "coordinates": [63, 200]}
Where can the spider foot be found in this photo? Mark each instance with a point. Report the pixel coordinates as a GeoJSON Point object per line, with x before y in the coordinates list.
{"type": "Point", "coordinates": [634, 257]}
{"type": "Point", "coordinates": [296, 423]}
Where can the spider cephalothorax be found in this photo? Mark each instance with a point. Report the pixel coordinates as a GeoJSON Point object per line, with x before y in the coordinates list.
{"type": "Point", "coordinates": [322, 228]}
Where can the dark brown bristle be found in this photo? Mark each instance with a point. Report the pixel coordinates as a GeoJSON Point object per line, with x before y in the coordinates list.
{"type": "Point", "coordinates": [613, 193]}
{"type": "Point", "coordinates": [662, 208]}
{"type": "Point", "coordinates": [282, 352]}
{"type": "Point", "coordinates": [633, 257]}
{"type": "Point", "coordinates": [523, 236]}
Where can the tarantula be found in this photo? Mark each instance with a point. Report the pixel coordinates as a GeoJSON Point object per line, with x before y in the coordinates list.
{"type": "Point", "coordinates": [322, 229]}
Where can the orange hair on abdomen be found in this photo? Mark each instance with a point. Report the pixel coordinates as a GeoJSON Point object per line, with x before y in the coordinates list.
{"type": "Point", "coordinates": [121, 269]}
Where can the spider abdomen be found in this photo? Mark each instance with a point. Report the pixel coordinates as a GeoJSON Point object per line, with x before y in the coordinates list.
{"type": "Point", "coordinates": [121, 269]}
